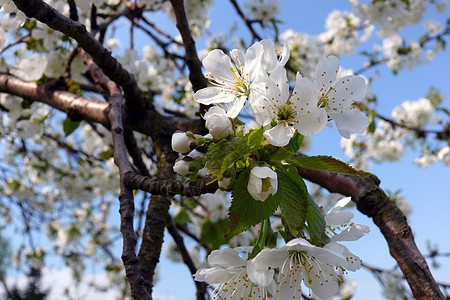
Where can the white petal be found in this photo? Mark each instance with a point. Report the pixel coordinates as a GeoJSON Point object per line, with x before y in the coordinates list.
{"type": "Point", "coordinates": [277, 87]}
{"type": "Point", "coordinates": [264, 172]}
{"type": "Point", "coordinates": [219, 64]}
{"type": "Point", "coordinates": [210, 95]}
{"type": "Point", "coordinates": [325, 73]}
{"type": "Point", "coordinates": [311, 121]}
{"type": "Point", "coordinates": [350, 121]}
{"type": "Point", "coordinates": [349, 88]}
{"type": "Point", "coordinates": [236, 107]}
{"type": "Point", "coordinates": [352, 233]}
{"type": "Point", "coordinates": [226, 258]}
{"type": "Point", "coordinates": [339, 217]}
{"type": "Point", "coordinates": [324, 285]}
{"type": "Point", "coordinates": [259, 107]}
{"type": "Point", "coordinates": [279, 135]}
{"type": "Point", "coordinates": [299, 244]}
{"type": "Point", "coordinates": [212, 275]}
{"type": "Point", "coordinates": [269, 58]}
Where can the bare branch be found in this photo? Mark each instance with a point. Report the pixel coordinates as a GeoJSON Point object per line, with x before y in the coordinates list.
{"type": "Point", "coordinates": [102, 57]}
{"type": "Point", "coordinates": [171, 187]}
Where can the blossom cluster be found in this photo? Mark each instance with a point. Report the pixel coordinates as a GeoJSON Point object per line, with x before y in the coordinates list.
{"type": "Point", "coordinates": [258, 76]}
{"type": "Point", "coordinates": [242, 159]}
{"type": "Point", "coordinates": [279, 273]}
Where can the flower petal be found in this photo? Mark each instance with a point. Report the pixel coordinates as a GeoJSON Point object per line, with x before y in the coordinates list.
{"type": "Point", "coordinates": [347, 90]}
{"type": "Point", "coordinates": [279, 135]}
{"type": "Point", "coordinates": [352, 233]}
{"type": "Point", "coordinates": [218, 64]}
{"type": "Point", "coordinates": [350, 121]}
{"type": "Point", "coordinates": [260, 269]}
{"type": "Point", "coordinates": [211, 95]}
{"type": "Point", "coordinates": [325, 74]}
{"type": "Point", "coordinates": [226, 258]}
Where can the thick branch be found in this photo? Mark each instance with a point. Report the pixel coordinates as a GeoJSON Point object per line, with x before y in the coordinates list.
{"type": "Point", "coordinates": [82, 108]}
{"type": "Point", "coordinates": [75, 106]}
{"type": "Point", "coordinates": [170, 187]}
{"type": "Point", "coordinates": [373, 202]}
{"type": "Point", "coordinates": [110, 66]}
{"type": "Point", "coordinates": [126, 197]}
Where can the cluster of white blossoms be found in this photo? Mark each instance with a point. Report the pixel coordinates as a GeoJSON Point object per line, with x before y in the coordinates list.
{"type": "Point", "coordinates": [389, 142]}
{"type": "Point", "coordinates": [391, 15]}
{"type": "Point", "coordinates": [278, 273]}
{"type": "Point", "coordinates": [263, 10]}
{"type": "Point", "coordinates": [258, 77]}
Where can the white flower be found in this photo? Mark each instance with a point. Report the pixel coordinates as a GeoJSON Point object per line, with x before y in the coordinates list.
{"type": "Point", "coordinates": [181, 167]}
{"type": "Point", "coordinates": [30, 69]}
{"type": "Point", "coordinates": [217, 205]}
{"type": "Point", "coordinates": [416, 114]}
{"type": "Point", "coordinates": [235, 79]}
{"type": "Point", "coordinates": [336, 96]}
{"type": "Point", "coordinates": [263, 10]}
{"type": "Point", "coordinates": [181, 142]}
{"type": "Point", "coordinates": [218, 124]}
{"type": "Point", "coordinates": [338, 219]}
{"type": "Point", "coordinates": [300, 112]}
{"type": "Point", "coordinates": [229, 271]}
{"type": "Point", "coordinates": [263, 182]}
{"type": "Point", "coordinates": [300, 261]}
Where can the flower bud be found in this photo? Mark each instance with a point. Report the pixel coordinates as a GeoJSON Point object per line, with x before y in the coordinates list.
{"type": "Point", "coordinates": [218, 123]}
{"type": "Point", "coordinates": [181, 167]}
{"type": "Point", "coordinates": [262, 183]}
{"type": "Point", "coordinates": [182, 143]}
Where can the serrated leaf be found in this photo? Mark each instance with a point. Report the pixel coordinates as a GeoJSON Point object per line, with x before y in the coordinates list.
{"type": "Point", "coordinates": [296, 142]}
{"type": "Point", "coordinates": [316, 224]}
{"type": "Point", "coordinates": [293, 197]}
{"type": "Point", "coordinates": [245, 211]}
{"type": "Point", "coordinates": [326, 163]}
{"type": "Point", "coordinates": [217, 152]}
{"type": "Point", "coordinates": [246, 145]}
{"type": "Point", "coordinates": [70, 126]}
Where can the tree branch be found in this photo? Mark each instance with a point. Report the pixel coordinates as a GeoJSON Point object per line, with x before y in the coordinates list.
{"type": "Point", "coordinates": [194, 64]}
{"type": "Point", "coordinates": [110, 66]}
{"type": "Point", "coordinates": [371, 200]}
{"type": "Point", "coordinates": [126, 197]}
{"type": "Point", "coordinates": [170, 187]}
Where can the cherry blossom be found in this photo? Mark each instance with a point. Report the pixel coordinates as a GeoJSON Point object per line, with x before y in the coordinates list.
{"type": "Point", "coordinates": [231, 273]}
{"type": "Point", "coordinates": [262, 183]}
{"type": "Point", "coordinates": [300, 111]}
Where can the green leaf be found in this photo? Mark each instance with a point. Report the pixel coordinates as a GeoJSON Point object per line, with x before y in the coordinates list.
{"type": "Point", "coordinates": [182, 217]}
{"type": "Point", "coordinates": [70, 126]}
{"type": "Point", "coordinates": [213, 234]}
{"type": "Point", "coordinates": [249, 143]}
{"type": "Point", "coordinates": [293, 196]}
{"type": "Point", "coordinates": [316, 224]}
{"type": "Point", "coordinates": [245, 211]}
{"type": "Point", "coordinates": [287, 151]}
{"type": "Point", "coordinates": [217, 152]}
{"type": "Point", "coordinates": [326, 163]}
